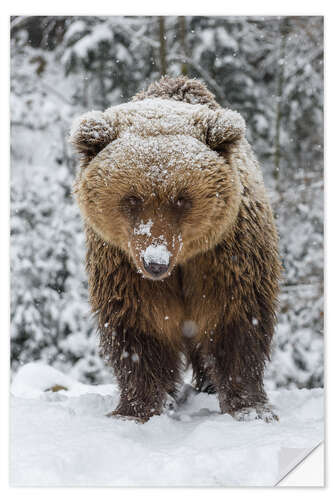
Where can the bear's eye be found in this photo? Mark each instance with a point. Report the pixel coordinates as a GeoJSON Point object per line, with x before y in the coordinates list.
{"type": "Point", "coordinates": [182, 203]}
{"type": "Point", "coordinates": [131, 205]}
{"type": "Point", "coordinates": [132, 201]}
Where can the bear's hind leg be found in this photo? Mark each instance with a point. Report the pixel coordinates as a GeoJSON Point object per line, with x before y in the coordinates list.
{"type": "Point", "coordinates": [201, 379]}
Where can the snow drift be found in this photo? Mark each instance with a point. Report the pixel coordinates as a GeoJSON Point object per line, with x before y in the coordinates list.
{"type": "Point", "coordinates": [63, 438]}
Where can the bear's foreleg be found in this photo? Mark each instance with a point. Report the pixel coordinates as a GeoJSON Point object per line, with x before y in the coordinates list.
{"type": "Point", "coordinates": [235, 358]}
{"type": "Point", "coordinates": [147, 370]}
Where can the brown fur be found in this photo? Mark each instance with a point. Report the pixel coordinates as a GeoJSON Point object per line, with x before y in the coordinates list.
{"type": "Point", "coordinates": [179, 89]}
{"type": "Point", "coordinates": [172, 168]}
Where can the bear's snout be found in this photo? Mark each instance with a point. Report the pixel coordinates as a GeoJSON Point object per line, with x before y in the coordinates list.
{"type": "Point", "coordinates": [156, 260]}
{"type": "Point", "coordinates": [155, 269]}
{"type": "Point", "coordinates": [154, 245]}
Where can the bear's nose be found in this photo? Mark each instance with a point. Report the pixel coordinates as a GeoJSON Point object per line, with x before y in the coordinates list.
{"type": "Point", "coordinates": [155, 268]}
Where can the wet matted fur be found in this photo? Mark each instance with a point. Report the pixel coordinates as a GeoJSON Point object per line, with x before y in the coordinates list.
{"type": "Point", "coordinates": [172, 170]}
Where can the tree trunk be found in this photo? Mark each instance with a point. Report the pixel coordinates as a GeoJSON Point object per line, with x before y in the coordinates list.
{"type": "Point", "coordinates": [280, 85]}
{"type": "Point", "coordinates": [163, 65]}
{"type": "Point", "coordinates": [182, 41]}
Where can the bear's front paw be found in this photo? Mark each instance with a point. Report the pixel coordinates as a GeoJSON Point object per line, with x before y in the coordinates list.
{"type": "Point", "coordinates": [263, 412]}
{"type": "Point", "coordinates": [120, 416]}
{"type": "Point", "coordinates": [138, 412]}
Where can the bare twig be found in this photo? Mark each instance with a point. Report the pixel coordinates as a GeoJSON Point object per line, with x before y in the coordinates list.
{"type": "Point", "coordinates": [56, 93]}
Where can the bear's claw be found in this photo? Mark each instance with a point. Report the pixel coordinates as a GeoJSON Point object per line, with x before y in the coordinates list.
{"type": "Point", "coordinates": [260, 412]}
{"type": "Point", "coordinates": [121, 416]}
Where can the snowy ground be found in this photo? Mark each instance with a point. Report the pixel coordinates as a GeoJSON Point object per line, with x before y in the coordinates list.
{"type": "Point", "coordinates": [64, 438]}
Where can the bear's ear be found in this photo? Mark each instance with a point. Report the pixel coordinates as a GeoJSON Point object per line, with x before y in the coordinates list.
{"type": "Point", "coordinates": [90, 133]}
{"type": "Point", "coordinates": [224, 127]}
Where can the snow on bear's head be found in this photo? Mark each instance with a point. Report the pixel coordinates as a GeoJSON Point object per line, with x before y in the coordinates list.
{"type": "Point", "coordinates": [155, 179]}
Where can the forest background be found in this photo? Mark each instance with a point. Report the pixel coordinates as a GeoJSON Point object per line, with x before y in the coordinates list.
{"type": "Point", "coordinates": [270, 69]}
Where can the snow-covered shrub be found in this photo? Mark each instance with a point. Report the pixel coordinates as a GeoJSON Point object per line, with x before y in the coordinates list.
{"type": "Point", "coordinates": [50, 315]}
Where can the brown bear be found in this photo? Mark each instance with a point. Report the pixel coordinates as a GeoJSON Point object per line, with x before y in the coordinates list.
{"type": "Point", "coordinates": [182, 250]}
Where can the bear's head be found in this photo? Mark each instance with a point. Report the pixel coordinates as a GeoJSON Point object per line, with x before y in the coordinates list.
{"type": "Point", "coordinates": [156, 181]}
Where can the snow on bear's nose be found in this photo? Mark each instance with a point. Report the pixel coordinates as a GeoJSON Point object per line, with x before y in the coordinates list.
{"type": "Point", "coordinates": [156, 259]}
